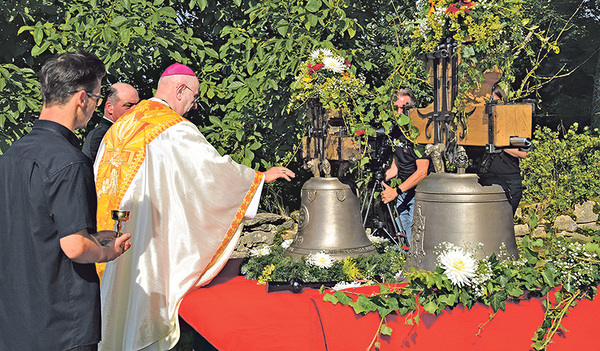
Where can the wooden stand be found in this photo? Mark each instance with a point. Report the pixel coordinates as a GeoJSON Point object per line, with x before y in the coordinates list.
{"type": "Point", "coordinates": [495, 126]}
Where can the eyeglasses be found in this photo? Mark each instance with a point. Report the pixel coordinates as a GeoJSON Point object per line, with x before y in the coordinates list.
{"type": "Point", "coordinates": [99, 101]}
{"type": "Point", "coordinates": [98, 97]}
{"type": "Point", "coordinates": [196, 96]}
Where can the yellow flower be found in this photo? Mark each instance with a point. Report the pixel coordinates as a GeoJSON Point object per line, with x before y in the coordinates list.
{"type": "Point", "coordinates": [350, 270]}
{"type": "Point", "coordinates": [266, 274]}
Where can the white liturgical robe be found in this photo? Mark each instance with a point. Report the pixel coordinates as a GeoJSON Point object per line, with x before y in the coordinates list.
{"type": "Point", "coordinates": [187, 203]}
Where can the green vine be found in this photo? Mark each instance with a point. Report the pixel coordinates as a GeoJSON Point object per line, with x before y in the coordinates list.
{"type": "Point", "coordinates": [566, 270]}
{"type": "Point", "coordinates": [553, 316]}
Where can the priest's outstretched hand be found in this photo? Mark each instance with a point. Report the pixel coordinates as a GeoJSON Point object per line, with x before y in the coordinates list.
{"type": "Point", "coordinates": [278, 172]}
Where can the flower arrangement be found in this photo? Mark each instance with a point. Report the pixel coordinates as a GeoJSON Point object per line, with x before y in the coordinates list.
{"type": "Point", "coordinates": [269, 264]}
{"type": "Point", "coordinates": [570, 267]}
{"type": "Point", "coordinates": [490, 35]}
{"type": "Point", "coordinates": [482, 23]}
{"type": "Point", "coordinates": [327, 77]}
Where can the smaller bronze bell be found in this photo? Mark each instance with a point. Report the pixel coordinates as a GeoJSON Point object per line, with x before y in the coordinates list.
{"type": "Point", "coordinates": [330, 221]}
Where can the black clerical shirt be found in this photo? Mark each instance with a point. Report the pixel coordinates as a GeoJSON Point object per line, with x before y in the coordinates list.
{"type": "Point", "coordinates": [47, 301]}
{"type": "Point", "coordinates": [94, 138]}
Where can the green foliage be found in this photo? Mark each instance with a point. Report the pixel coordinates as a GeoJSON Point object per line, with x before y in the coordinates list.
{"type": "Point", "coordinates": [568, 99]}
{"type": "Point", "coordinates": [19, 95]}
{"type": "Point", "coordinates": [246, 54]}
{"type": "Point", "coordinates": [561, 171]}
{"type": "Point", "coordinates": [570, 268]}
{"type": "Point", "coordinates": [380, 267]}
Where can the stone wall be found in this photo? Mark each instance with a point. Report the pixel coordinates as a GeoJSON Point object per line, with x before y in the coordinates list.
{"type": "Point", "coordinates": [564, 225]}
{"type": "Point", "coordinates": [261, 230]}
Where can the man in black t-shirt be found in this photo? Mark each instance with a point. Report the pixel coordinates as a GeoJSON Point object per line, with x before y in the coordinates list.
{"type": "Point", "coordinates": [503, 168]}
{"type": "Point", "coordinates": [409, 167]}
{"type": "Point", "coordinates": [50, 298]}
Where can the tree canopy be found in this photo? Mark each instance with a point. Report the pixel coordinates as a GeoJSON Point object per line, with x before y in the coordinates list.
{"type": "Point", "coordinates": [247, 53]}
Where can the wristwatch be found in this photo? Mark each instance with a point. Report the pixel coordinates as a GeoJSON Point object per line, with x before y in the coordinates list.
{"type": "Point", "coordinates": [398, 190]}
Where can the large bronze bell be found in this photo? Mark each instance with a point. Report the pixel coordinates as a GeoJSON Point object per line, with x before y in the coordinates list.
{"type": "Point", "coordinates": [455, 208]}
{"type": "Point", "coordinates": [330, 221]}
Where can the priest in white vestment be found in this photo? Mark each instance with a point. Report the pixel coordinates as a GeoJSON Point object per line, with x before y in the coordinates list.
{"type": "Point", "coordinates": [187, 205]}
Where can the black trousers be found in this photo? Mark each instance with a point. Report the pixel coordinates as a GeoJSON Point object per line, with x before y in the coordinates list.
{"type": "Point", "coordinates": [512, 187]}
{"type": "Point", "coordinates": [86, 348]}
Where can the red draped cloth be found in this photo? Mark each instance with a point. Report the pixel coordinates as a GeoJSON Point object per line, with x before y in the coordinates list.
{"type": "Point", "coordinates": [233, 313]}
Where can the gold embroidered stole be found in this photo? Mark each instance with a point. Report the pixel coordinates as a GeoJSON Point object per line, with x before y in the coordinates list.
{"type": "Point", "coordinates": [125, 150]}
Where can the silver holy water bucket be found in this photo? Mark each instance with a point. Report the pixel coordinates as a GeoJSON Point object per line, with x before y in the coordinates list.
{"type": "Point", "coordinates": [455, 208]}
{"type": "Point", "coordinates": [330, 221]}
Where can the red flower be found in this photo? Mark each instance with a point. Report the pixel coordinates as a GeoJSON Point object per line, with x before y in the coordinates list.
{"type": "Point", "coordinates": [347, 63]}
{"type": "Point", "coordinates": [312, 69]}
{"type": "Point", "coordinates": [462, 5]}
{"type": "Point", "coordinates": [360, 132]}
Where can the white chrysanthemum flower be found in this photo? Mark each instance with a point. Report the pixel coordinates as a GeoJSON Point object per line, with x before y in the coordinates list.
{"type": "Point", "coordinates": [315, 54]}
{"type": "Point", "coordinates": [458, 265]}
{"type": "Point", "coordinates": [261, 251]}
{"type": "Point", "coordinates": [327, 52]}
{"type": "Point", "coordinates": [346, 285]}
{"type": "Point", "coordinates": [377, 239]}
{"type": "Point", "coordinates": [320, 259]}
{"type": "Point", "coordinates": [286, 243]}
{"type": "Point", "coordinates": [335, 64]}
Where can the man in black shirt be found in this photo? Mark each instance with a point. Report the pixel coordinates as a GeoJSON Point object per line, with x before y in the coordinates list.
{"type": "Point", "coordinates": [503, 168]}
{"type": "Point", "coordinates": [49, 293]}
{"type": "Point", "coordinates": [120, 98]}
{"type": "Point", "coordinates": [409, 167]}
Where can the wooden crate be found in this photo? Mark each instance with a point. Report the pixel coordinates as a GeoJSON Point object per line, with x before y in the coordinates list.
{"type": "Point", "coordinates": [337, 148]}
{"type": "Point", "coordinates": [510, 120]}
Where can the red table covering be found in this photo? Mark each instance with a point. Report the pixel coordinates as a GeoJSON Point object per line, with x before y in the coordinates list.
{"type": "Point", "coordinates": [233, 313]}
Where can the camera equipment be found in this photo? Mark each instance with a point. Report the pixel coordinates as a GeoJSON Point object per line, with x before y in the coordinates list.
{"type": "Point", "coordinates": [377, 215]}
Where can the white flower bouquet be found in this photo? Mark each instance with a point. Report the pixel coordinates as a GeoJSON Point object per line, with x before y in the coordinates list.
{"type": "Point", "coordinates": [327, 77]}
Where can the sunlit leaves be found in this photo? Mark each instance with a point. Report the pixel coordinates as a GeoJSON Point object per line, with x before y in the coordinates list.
{"type": "Point", "coordinates": [19, 95]}
{"type": "Point", "coordinates": [561, 170]}
{"type": "Point", "coordinates": [313, 5]}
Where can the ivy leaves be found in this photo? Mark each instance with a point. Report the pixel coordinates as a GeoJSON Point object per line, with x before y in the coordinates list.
{"type": "Point", "coordinates": [389, 300]}
{"type": "Point", "coordinates": [542, 268]}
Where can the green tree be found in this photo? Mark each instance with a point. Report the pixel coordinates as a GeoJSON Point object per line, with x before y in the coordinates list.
{"type": "Point", "coordinates": [246, 54]}
{"type": "Point", "coordinates": [568, 97]}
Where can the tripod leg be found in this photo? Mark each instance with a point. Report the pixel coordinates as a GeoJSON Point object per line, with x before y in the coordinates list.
{"type": "Point", "coordinates": [366, 213]}
{"type": "Point", "coordinates": [399, 231]}
{"type": "Point", "coordinates": [393, 219]}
